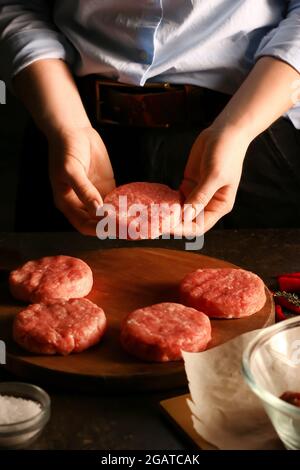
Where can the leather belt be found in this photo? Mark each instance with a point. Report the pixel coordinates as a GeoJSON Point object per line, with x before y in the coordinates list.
{"type": "Point", "coordinates": [155, 105]}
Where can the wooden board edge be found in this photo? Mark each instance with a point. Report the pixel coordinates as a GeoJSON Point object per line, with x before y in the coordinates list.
{"type": "Point", "coordinates": [69, 380]}
{"type": "Point", "coordinates": [178, 413]}
{"type": "Point", "coordinates": [272, 317]}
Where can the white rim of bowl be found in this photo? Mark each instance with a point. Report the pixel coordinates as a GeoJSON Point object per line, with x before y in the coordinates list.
{"type": "Point", "coordinates": [44, 408]}
{"type": "Point", "coordinates": [265, 395]}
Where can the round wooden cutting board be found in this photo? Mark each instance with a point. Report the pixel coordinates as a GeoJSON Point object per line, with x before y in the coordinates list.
{"type": "Point", "coordinates": [124, 279]}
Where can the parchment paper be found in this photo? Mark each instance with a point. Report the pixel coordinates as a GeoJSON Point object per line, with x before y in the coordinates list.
{"type": "Point", "coordinates": [225, 411]}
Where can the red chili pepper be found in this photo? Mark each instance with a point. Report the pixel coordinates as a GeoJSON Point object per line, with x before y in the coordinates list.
{"type": "Point", "coordinates": [289, 282]}
{"type": "Point", "coordinates": [284, 302]}
{"type": "Point", "coordinates": [279, 313]}
{"type": "Point", "coordinates": [290, 274]}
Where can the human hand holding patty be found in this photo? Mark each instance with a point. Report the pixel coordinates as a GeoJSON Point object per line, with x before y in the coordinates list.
{"type": "Point", "coordinates": [81, 175]}
{"type": "Point", "coordinates": [80, 169]}
{"type": "Point", "coordinates": [215, 163]}
{"type": "Point", "coordinates": [213, 173]}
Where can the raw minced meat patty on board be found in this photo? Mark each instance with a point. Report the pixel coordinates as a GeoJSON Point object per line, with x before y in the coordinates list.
{"type": "Point", "coordinates": [223, 292]}
{"type": "Point", "coordinates": [61, 327]}
{"type": "Point", "coordinates": [146, 195]}
{"type": "Point", "coordinates": [160, 332]}
{"type": "Point", "coordinates": [52, 277]}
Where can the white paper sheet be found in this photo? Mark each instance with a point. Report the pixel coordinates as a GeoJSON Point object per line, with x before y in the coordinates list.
{"type": "Point", "coordinates": [225, 411]}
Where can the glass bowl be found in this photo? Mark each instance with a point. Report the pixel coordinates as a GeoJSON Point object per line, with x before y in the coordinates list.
{"type": "Point", "coordinates": [21, 434]}
{"type": "Point", "coordinates": [271, 366]}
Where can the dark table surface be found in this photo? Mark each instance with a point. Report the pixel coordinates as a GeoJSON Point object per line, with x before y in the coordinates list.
{"type": "Point", "coordinates": [134, 421]}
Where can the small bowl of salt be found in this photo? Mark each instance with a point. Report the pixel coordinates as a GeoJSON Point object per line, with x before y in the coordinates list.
{"type": "Point", "coordinates": [24, 411]}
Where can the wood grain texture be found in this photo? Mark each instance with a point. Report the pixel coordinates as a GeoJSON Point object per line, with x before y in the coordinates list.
{"type": "Point", "coordinates": [124, 279]}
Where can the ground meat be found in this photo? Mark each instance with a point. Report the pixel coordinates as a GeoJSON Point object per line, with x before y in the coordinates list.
{"type": "Point", "coordinates": [61, 327]}
{"type": "Point", "coordinates": [224, 293]}
{"type": "Point", "coordinates": [147, 224]}
{"type": "Point", "coordinates": [291, 397]}
{"type": "Point", "coordinates": [52, 277]}
{"type": "Point", "coordinates": [160, 332]}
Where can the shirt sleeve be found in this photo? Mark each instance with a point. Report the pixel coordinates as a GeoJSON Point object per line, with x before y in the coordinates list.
{"type": "Point", "coordinates": [27, 34]}
{"type": "Point", "coordinates": [283, 42]}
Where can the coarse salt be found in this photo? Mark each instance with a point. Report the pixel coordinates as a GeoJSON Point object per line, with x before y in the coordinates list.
{"type": "Point", "coordinates": [15, 409]}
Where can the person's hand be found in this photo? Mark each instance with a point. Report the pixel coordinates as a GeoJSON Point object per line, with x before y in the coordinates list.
{"type": "Point", "coordinates": [213, 173]}
{"type": "Point", "coordinates": [81, 175]}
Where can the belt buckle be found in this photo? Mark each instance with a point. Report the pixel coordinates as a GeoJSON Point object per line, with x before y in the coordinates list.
{"type": "Point", "coordinates": [100, 84]}
{"type": "Point", "coordinates": [105, 83]}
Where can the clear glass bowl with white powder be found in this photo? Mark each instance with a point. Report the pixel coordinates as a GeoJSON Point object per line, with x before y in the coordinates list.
{"type": "Point", "coordinates": [24, 411]}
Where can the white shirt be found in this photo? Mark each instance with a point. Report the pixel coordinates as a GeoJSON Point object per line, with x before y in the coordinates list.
{"type": "Point", "coordinates": [210, 43]}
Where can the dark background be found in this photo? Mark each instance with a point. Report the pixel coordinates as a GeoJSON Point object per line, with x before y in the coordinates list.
{"type": "Point", "coordinates": [13, 119]}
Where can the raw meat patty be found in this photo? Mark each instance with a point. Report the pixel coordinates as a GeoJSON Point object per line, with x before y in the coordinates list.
{"type": "Point", "coordinates": [52, 277]}
{"type": "Point", "coordinates": [158, 333]}
{"type": "Point", "coordinates": [225, 293]}
{"type": "Point", "coordinates": [146, 194]}
{"type": "Point", "coordinates": [61, 327]}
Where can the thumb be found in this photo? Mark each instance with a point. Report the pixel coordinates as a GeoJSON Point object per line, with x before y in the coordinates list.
{"type": "Point", "coordinates": [84, 189]}
{"type": "Point", "coordinates": [199, 198]}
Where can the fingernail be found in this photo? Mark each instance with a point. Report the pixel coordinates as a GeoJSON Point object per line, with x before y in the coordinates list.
{"type": "Point", "coordinates": [96, 204]}
{"type": "Point", "coordinates": [93, 208]}
{"type": "Point", "coordinates": [189, 212]}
